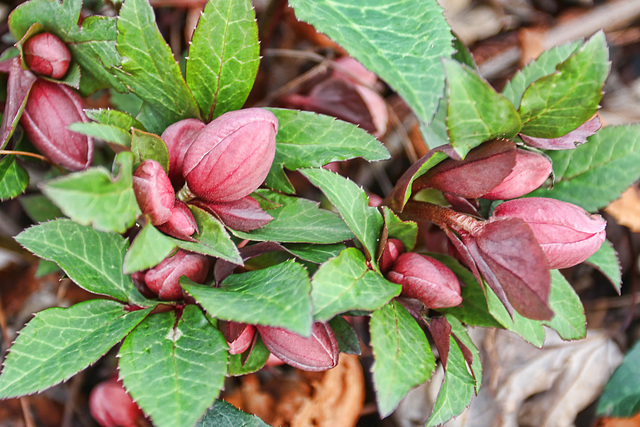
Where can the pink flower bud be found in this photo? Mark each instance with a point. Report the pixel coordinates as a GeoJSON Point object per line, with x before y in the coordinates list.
{"type": "Point", "coordinates": [390, 253]}
{"type": "Point", "coordinates": [153, 191]}
{"type": "Point", "coordinates": [530, 171]}
{"type": "Point", "coordinates": [232, 155]}
{"type": "Point", "coordinates": [164, 279]}
{"type": "Point", "coordinates": [47, 55]}
{"type": "Point", "coordinates": [50, 109]}
{"type": "Point", "coordinates": [239, 336]}
{"type": "Point", "coordinates": [567, 234]}
{"type": "Point", "coordinates": [484, 168]}
{"type": "Point", "coordinates": [181, 224]}
{"type": "Point", "coordinates": [178, 137]}
{"type": "Point", "coordinates": [111, 405]}
{"type": "Point", "coordinates": [243, 215]}
{"type": "Point", "coordinates": [427, 280]}
{"type": "Point", "coordinates": [318, 352]}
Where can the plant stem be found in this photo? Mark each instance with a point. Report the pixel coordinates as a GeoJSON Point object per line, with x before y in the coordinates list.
{"type": "Point", "coordinates": [441, 216]}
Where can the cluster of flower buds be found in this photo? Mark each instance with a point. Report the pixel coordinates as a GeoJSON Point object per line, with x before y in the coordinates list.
{"type": "Point", "coordinates": [111, 405]}
{"type": "Point", "coordinates": [217, 166]}
{"type": "Point", "coordinates": [50, 107]}
{"type": "Point", "coordinates": [348, 95]}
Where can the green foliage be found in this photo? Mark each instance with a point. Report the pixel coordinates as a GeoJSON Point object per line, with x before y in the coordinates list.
{"type": "Point", "coordinates": [224, 414]}
{"type": "Point", "coordinates": [346, 336]}
{"type": "Point", "coordinates": [606, 260]}
{"type": "Point", "coordinates": [13, 178]}
{"type": "Point", "coordinates": [621, 396]}
{"type": "Point", "coordinates": [149, 248]}
{"type": "Point", "coordinates": [241, 364]}
{"type": "Point", "coordinates": [569, 319]}
{"type": "Point", "coordinates": [147, 146]}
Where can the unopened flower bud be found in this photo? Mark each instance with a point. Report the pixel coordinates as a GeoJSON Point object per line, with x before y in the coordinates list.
{"type": "Point", "coordinates": [153, 191]}
{"type": "Point", "coordinates": [567, 233]}
{"type": "Point", "coordinates": [426, 279]}
{"type": "Point", "coordinates": [181, 224]}
{"type": "Point", "coordinates": [111, 405]}
{"type": "Point", "coordinates": [390, 253]}
{"type": "Point", "coordinates": [232, 155]}
{"type": "Point", "coordinates": [318, 352]}
{"type": "Point", "coordinates": [164, 279]}
{"type": "Point", "coordinates": [50, 109]}
{"type": "Point", "coordinates": [530, 171]}
{"type": "Point", "coordinates": [178, 137]}
{"type": "Point", "coordinates": [47, 55]}
{"type": "Point", "coordinates": [239, 336]}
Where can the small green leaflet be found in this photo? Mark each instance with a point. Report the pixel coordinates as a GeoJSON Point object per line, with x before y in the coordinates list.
{"type": "Point", "coordinates": [224, 414]}
{"type": "Point", "coordinates": [352, 204]}
{"type": "Point", "coordinates": [39, 208]}
{"type": "Point", "coordinates": [348, 341]}
{"type": "Point", "coordinates": [149, 248]}
{"type": "Point", "coordinates": [621, 397]}
{"type": "Point", "coordinates": [274, 296]}
{"type": "Point", "coordinates": [174, 370]}
{"type": "Point", "coordinates": [315, 253]}
{"type": "Point", "coordinates": [223, 57]}
{"type": "Point", "coordinates": [597, 172]}
{"type": "Point", "coordinates": [402, 42]}
{"type": "Point", "coordinates": [606, 260]}
{"type": "Point", "coordinates": [91, 258]}
{"type": "Point", "coordinates": [405, 231]}
{"type": "Point", "coordinates": [148, 146]}
{"type": "Point", "coordinates": [60, 342]}
{"type": "Point", "coordinates": [107, 133]}
{"type": "Point", "coordinates": [346, 283]}
{"type": "Point", "coordinates": [13, 178]}
{"type": "Point", "coordinates": [554, 105]}
{"type": "Point", "coordinates": [95, 197]}
{"type": "Point", "coordinates": [403, 357]}
{"type": "Point", "coordinates": [569, 320]}
{"type": "Point", "coordinates": [241, 364]}
{"type": "Point", "coordinates": [119, 119]}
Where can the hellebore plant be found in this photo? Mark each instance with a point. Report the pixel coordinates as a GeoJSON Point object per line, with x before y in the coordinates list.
{"type": "Point", "coordinates": [214, 262]}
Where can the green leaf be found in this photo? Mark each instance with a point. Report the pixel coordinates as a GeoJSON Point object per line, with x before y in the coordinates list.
{"type": "Point", "coordinates": [346, 283]}
{"type": "Point", "coordinates": [107, 133]}
{"type": "Point", "coordinates": [621, 396]}
{"type": "Point", "coordinates": [459, 331]}
{"type": "Point", "coordinates": [532, 331]}
{"type": "Point", "coordinates": [405, 231]}
{"type": "Point", "coordinates": [457, 389]}
{"type": "Point", "coordinates": [13, 178]}
{"type": "Point", "coordinates": [569, 319]}
{"type": "Point", "coordinates": [148, 146]}
{"type": "Point", "coordinates": [402, 42]}
{"type": "Point", "coordinates": [46, 267]}
{"type": "Point", "coordinates": [542, 66]}
{"type": "Point", "coordinates": [119, 119]}
{"type": "Point", "coordinates": [91, 258]}
{"type": "Point", "coordinates": [95, 197]}
{"type": "Point", "coordinates": [348, 341]}
{"type": "Point", "coordinates": [307, 139]}
{"type": "Point", "coordinates": [60, 342]}
{"type": "Point", "coordinates": [476, 113]}
{"type": "Point", "coordinates": [299, 221]}
{"type": "Point", "coordinates": [403, 358]}
{"type": "Point", "coordinates": [39, 208]}
{"type": "Point", "coordinates": [223, 57]}
{"type": "Point", "coordinates": [435, 133]}
{"type": "Point", "coordinates": [606, 260]}
{"type": "Point", "coordinates": [174, 370]}
{"type": "Point", "coordinates": [148, 68]}
{"type": "Point", "coordinates": [211, 239]}
{"type": "Point", "coordinates": [597, 172]}
{"type": "Point", "coordinates": [224, 414]}
{"type": "Point", "coordinates": [353, 204]}
{"type": "Point", "coordinates": [257, 358]}
{"type": "Point", "coordinates": [315, 253]}
{"type": "Point", "coordinates": [555, 105]}
{"type": "Point", "coordinates": [149, 248]}
{"type": "Point", "coordinates": [274, 296]}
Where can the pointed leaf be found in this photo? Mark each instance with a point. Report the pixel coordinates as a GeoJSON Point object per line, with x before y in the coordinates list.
{"type": "Point", "coordinates": [241, 364]}
{"type": "Point", "coordinates": [315, 253]}
{"type": "Point", "coordinates": [274, 296]}
{"type": "Point", "coordinates": [352, 204]}
{"type": "Point", "coordinates": [223, 57]}
{"type": "Point", "coordinates": [405, 231]}
{"type": "Point", "coordinates": [13, 178]}
{"type": "Point", "coordinates": [606, 260]}
{"type": "Point", "coordinates": [148, 68]}
{"type": "Point", "coordinates": [95, 197]}
{"type": "Point", "coordinates": [17, 92]}
{"type": "Point", "coordinates": [174, 370]}
{"type": "Point", "coordinates": [346, 283]}
{"type": "Point", "coordinates": [569, 141]}
{"type": "Point", "coordinates": [348, 341]}
{"type": "Point", "coordinates": [530, 330]}
{"type": "Point", "coordinates": [119, 119]}
{"type": "Point", "coordinates": [403, 358]}
{"type": "Point", "coordinates": [224, 414]}
{"type": "Point", "coordinates": [91, 258]}
{"type": "Point", "coordinates": [60, 342]}
{"type": "Point", "coordinates": [469, 349]}
{"type": "Point", "coordinates": [402, 42]}
{"type": "Point", "coordinates": [149, 248]}
{"type": "Point", "coordinates": [569, 320]}
{"type": "Point", "coordinates": [557, 104]}
{"type": "Point", "coordinates": [621, 397]}
{"type": "Point", "coordinates": [477, 113]}
{"type": "Point", "coordinates": [596, 173]}
{"type": "Point", "coordinates": [107, 133]}
{"type": "Point", "coordinates": [145, 146]}
{"type": "Point", "coordinates": [39, 208]}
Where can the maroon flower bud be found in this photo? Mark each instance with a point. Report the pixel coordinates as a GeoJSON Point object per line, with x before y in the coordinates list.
{"type": "Point", "coordinates": [111, 405]}
{"type": "Point", "coordinates": [164, 279]}
{"type": "Point", "coordinates": [427, 280]}
{"type": "Point", "coordinates": [231, 156]}
{"type": "Point", "coordinates": [567, 234]}
{"type": "Point", "coordinates": [50, 109]}
{"type": "Point", "coordinates": [153, 191]}
{"type": "Point", "coordinates": [239, 336]}
{"type": "Point", "coordinates": [181, 224]}
{"type": "Point", "coordinates": [243, 215]}
{"type": "Point", "coordinates": [390, 253]}
{"type": "Point", "coordinates": [178, 137]}
{"type": "Point", "coordinates": [47, 55]}
{"type": "Point", "coordinates": [318, 352]}
{"type": "Point", "coordinates": [530, 171]}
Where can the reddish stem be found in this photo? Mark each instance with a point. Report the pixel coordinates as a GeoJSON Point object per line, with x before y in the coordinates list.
{"type": "Point", "coordinates": [441, 216]}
